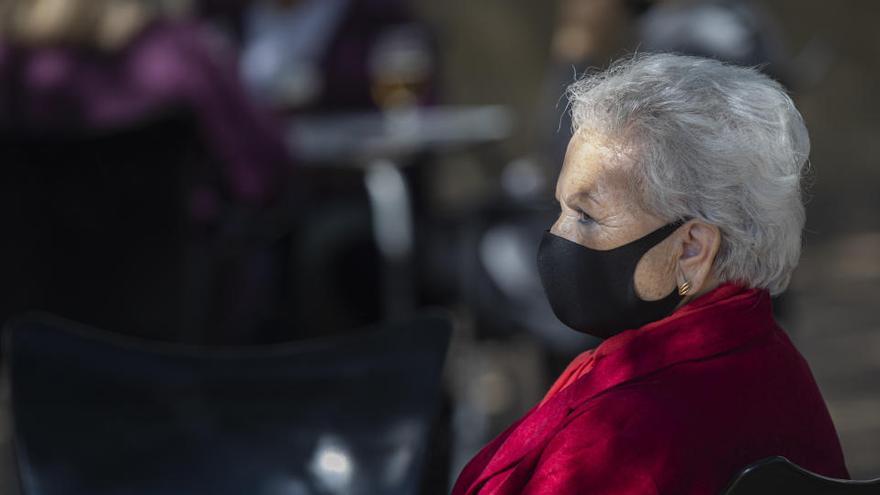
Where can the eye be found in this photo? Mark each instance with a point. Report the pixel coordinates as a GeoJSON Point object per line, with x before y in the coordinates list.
{"type": "Point", "coordinates": [584, 218]}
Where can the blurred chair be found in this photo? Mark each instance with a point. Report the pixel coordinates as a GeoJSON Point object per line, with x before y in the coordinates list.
{"type": "Point", "coordinates": [95, 413]}
{"type": "Point", "coordinates": [779, 476]}
{"type": "Point", "coordinates": [95, 224]}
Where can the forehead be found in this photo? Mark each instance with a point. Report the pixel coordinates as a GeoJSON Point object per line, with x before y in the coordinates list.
{"type": "Point", "coordinates": [594, 164]}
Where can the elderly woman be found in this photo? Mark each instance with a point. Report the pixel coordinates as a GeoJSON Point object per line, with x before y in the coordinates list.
{"type": "Point", "coordinates": [681, 214]}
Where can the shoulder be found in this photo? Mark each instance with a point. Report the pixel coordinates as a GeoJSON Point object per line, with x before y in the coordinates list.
{"type": "Point", "coordinates": [688, 427]}
{"type": "Point", "coordinates": [179, 56]}
{"type": "Point", "coordinates": [733, 388]}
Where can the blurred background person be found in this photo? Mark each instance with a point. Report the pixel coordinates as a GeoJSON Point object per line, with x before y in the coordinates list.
{"type": "Point", "coordinates": [71, 65]}
{"type": "Point", "coordinates": [118, 68]}
{"type": "Point", "coordinates": [336, 55]}
{"type": "Point", "coordinates": [149, 145]}
{"type": "Point", "coordinates": [337, 71]}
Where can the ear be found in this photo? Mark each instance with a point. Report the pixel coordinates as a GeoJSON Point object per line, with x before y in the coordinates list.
{"type": "Point", "coordinates": [700, 242]}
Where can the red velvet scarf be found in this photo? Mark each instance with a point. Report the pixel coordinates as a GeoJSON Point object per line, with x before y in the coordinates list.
{"type": "Point", "coordinates": [582, 364]}
{"type": "Point", "coordinates": [729, 333]}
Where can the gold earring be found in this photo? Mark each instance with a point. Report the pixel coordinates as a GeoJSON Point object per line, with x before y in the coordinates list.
{"type": "Point", "coordinates": [684, 289]}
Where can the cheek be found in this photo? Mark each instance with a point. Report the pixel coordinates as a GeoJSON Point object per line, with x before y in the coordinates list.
{"type": "Point", "coordinates": [569, 227]}
{"type": "Point", "coordinates": [595, 236]}
{"type": "Point", "coordinates": [566, 226]}
{"type": "Point", "coordinates": [655, 274]}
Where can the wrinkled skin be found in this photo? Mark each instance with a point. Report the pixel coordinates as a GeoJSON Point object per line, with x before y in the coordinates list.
{"type": "Point", "coordinates": [600, 209]}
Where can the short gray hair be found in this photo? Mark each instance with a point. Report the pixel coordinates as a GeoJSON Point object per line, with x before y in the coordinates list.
{"type": "Point", "coordinates": [711, 141]}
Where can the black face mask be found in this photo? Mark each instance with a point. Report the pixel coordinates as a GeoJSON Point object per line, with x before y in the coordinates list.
{"type": "Point", "coordinates": [594, 291]}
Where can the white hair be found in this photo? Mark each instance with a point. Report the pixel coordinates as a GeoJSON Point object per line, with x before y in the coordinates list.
{"type": "Point", "coordinates": [711, 141]}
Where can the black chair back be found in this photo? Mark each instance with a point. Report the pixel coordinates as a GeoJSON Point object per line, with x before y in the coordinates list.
{"type": "Point", "coordinates": [98, 414]}
{"type": "Point", "coordinates": [779, 476]}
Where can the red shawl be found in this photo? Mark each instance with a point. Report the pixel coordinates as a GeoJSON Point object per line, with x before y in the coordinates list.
{"type": "Point", "coordinates": [676, 407]}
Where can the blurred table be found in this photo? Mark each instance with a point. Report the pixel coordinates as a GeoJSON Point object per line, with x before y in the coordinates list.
{"type": "Point", "coordinates": [382, 144]}
{"type": "Point", "coordinates": [358, 139]}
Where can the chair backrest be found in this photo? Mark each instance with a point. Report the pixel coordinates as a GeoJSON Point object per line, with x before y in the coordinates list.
{"type": "Point", "coordinates": [94, 223]}
{"type": "Point", "coordinates": [779, 476]}
{"type": "Point", "coordinates": [100, 414]}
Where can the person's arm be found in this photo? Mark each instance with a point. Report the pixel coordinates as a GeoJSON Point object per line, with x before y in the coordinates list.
{"type": "Point", "coordinates": [203, 75]}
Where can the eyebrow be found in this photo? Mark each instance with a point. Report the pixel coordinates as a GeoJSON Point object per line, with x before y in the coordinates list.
{"type": "Point", "coordinates": [582, 197]}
